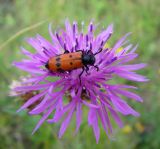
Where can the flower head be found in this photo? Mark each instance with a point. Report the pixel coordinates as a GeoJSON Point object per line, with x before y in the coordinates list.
{"type": "Point", "coordinates": [93, 91]}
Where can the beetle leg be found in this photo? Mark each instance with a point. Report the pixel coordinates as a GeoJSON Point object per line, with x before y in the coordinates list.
{"type": "Point", "coordinates": [80, 51]}
{"type": "Point", "coordinates": [46, 65]}
{"type": "Point", "coordinates": [87, 68]}
{"type": "Point", "coordinates": [66, 51]}
{"type": "Point", "coordinates": [89, 52]}
{"type": "Point", "coordinates": [96, 67]}
{"type": "Point", "coordinates": [100, 50]}
{"type": "Point", "coordinates": [81, 75]}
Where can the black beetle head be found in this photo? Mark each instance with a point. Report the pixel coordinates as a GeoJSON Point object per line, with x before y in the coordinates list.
{"type": "Point", "coordinates": [88, 59]}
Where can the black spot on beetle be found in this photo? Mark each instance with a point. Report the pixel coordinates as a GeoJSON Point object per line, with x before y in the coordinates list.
{"type": "Point", "coordinates": [58, 59]}
{"type": "Point", "coordinates": [58, 64]}
{"type": "Point", "coordinates": [71, 63]}
{"type": "Point", "coordinates": [70, 56]}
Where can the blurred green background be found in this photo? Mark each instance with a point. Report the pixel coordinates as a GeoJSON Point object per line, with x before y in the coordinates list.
{"type": "Point", "coordinates": [141, 17]}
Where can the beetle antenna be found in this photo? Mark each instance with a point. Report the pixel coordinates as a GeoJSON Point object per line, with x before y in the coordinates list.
{"type": "Point", "coordinates": [89, 51]}
{"type": "Point", "coordinates": [98, 51]}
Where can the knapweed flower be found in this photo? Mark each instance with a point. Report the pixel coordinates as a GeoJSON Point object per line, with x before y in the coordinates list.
{"type": "Point", "coordinates": [62, 94]}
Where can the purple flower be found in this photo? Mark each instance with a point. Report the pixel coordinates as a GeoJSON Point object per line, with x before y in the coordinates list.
{"type": "Point", "coordinates": [62, 94]}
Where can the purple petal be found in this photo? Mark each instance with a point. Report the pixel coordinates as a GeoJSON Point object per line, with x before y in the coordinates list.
{"type": "Point", "coordinates": [107, 118]}
{"type": "Point", "coordinates": [122, 106]}
{"type": "Point", "coordinates": [41, 107]}
{"type": "Point", "coordinates": [30, 69]}
{"type": "Point", "coordinates": [46, 102]}
{"type": "Point", "coordinates": [103, 120]}
{"type": "Point", "coordinates": [119, 86]}
{"type": "Point", "coordinates": [44, 117]}
{"type": "Point", "coordinates": [126, 58]}
{"type": "Point", "coordinates": [32, 100]}
{"type": "Point", "coordinates": [78, 116]}
{"type": "Point", "coordinates": [93, 121]}
{"type": "Point", "coordinates": [129, 94]}
{"type": "Point", "coordinates": [134, 49]}
{"type": "Point", "coordinates": [125, 50]}
{"type": "Point", "coordinates": [60, 112]}
{"type": "Point", "coordinates": [66, 122]}
{"type": "Point", "coordinates": [47, 45]}
{"type": "Point", "coordinates": [130, 67]}
{"type": "Point", "coordinates": [131, 76]}
{"type": "Point", "coordinates": [116, 118]}
{"type": "Point", "coordinates": [120, 42]}
{"type": "Point", "coordinates": [90, 105]}
{"type": "Point", "coordinates": [35, 79]}
{"type": "Point", "coordinates": [33, 87]}
{"type": "Point", "coordinates": [27, 53]}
